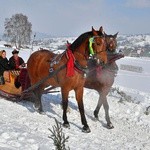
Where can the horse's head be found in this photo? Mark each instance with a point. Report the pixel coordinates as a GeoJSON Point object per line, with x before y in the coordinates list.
{"type": "Point", "coordinates": [111, 40]}
{"type": "Point", "coordinates": [97, 47]}
{"type": "Point", "coordinates": [91, 45]}
{"type": "Point", "coordinates": [111, 44]}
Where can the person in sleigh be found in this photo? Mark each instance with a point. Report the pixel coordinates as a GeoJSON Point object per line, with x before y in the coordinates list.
{"type": "Point", "coordinates": [16, 62]}
{"type": "Point", "coordinates": [3, 66]}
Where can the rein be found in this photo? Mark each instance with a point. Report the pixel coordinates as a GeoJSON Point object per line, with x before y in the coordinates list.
{"type": "Point", "coordinates": [51, 74]}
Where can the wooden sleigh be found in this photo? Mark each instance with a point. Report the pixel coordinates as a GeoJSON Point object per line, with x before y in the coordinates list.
{"type": "Point", "coordinates": [9, 90]}
{"type": "Point", "coordinates": [16, 84]}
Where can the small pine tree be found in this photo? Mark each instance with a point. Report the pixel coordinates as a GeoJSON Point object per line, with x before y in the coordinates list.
{"type": "Point", "coordinates": [58, 137]}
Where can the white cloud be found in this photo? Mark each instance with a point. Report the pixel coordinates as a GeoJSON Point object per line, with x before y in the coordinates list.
{"type": "Point", "coordinates": [138, 3]}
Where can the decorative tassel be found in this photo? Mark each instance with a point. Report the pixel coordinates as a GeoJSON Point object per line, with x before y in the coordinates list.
{"type": "Point", "coordinates": [70, 63]}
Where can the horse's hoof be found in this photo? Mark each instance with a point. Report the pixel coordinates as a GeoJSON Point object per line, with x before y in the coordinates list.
{"type": "Point", "coordinates": [42, 113]}
{"type": "Point", "coordinates": [66, 125]}
{"type": "Point", "coordinates": [86, 129]}
{"type": "Point", "coordinates": [96, 118]}
{"type": "Point", "coordinates": [36, 108]}
{"type": "Point", "coordinates": [110, 126]}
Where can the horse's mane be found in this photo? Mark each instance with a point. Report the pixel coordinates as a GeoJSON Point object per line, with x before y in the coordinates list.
{"type": "Point", "coordinates": [80, 40]}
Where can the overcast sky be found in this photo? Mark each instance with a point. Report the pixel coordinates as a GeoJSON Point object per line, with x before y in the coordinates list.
{"type": "Point", "coordinates": [74, 17]}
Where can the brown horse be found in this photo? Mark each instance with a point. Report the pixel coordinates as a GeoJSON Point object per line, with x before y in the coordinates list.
{"type": "Point", "coordinates": [61, 72]}
{"type": "Point", "coordinates": [102, 80]}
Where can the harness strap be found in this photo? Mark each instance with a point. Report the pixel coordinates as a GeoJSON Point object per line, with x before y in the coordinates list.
{"type": "Point", "coordinates": [78, 67]}
{"type": "Point", "coordinates": [44, 79]}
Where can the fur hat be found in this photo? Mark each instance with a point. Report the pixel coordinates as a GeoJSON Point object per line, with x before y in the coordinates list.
{"type": "Point", "coordinates": [15, 51]}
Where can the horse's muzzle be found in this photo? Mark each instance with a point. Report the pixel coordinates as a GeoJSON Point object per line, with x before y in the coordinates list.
{"type": "Point", "coordinates": [99, 61]}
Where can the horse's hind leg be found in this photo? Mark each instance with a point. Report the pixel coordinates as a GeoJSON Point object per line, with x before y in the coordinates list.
{"type": "Point", "coordinates": [99, 104]}
{"type": "Point", "coordinates": [106, 108]}
{"type": "Point", "coordinates": [103, 100]}
{"type": "Point", "coordinates": [65, 106]}
{"type": "Point", "coordinates": [37, 100]}
{"type": "Point", "coordinates": [79, 98]}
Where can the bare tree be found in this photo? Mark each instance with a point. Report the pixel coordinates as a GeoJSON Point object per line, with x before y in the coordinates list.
{"type": "Point", "coordinates": [18, 30]}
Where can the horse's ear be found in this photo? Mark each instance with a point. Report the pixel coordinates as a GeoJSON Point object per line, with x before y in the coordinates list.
{"type": "Point", "coordinates": [68, 42]}
{"type": "Point", "coordinates": [101, 29]}
{"type": "Point", "coordinates": [116, 34]}
{"type": "Point", "coordinates": [105, 34]}
{"type": "Point", "coordinates": [94, 31]}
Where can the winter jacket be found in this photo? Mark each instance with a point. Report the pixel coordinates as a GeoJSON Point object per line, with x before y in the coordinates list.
{"type": "Point", "coordinates": [3, 65]}
{"type": "Point", "coordinates": [15, 64]}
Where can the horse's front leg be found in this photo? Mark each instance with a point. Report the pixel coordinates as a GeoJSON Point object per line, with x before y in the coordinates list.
{"type": "Point", "coordinates": [99, 104]}
{"type": "Point", "coordinates": [65, 106]}
{"type": "Point", "coordinates": [79, 98]}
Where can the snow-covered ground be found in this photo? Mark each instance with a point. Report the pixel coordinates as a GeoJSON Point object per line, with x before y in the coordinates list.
{"type": "Point", "coordinates": [21, 128]}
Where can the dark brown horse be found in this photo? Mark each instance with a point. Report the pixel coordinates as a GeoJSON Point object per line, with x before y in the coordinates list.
{"type": "Point", "coordinates": [60, 67]}
{"type": "Point", "coordinates": [102, 80]}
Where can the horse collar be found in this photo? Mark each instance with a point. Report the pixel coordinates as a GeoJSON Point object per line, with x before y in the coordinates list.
{"type": "Point", "coordinates": [80, 68]}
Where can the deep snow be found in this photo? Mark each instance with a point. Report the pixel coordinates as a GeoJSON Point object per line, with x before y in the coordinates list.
{"type": "Point", "coordinates": [21, 128]}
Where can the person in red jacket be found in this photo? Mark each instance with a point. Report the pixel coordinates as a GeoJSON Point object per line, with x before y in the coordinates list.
{"type": "Point", "coordinates": [16, 62]}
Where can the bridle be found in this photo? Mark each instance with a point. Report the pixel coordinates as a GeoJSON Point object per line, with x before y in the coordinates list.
{"type": "Point", "coordinates": [92, 54]}
{"type": "Point", "coordinates": [91, 41]}
{"type": "Point", "coordinates": [108, 45]}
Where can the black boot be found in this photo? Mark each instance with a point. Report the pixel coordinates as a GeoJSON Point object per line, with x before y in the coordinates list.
{"type": "Point", "coordinates": [2, 81]}
{"type": "Point", "coordinates": [17, 83]}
